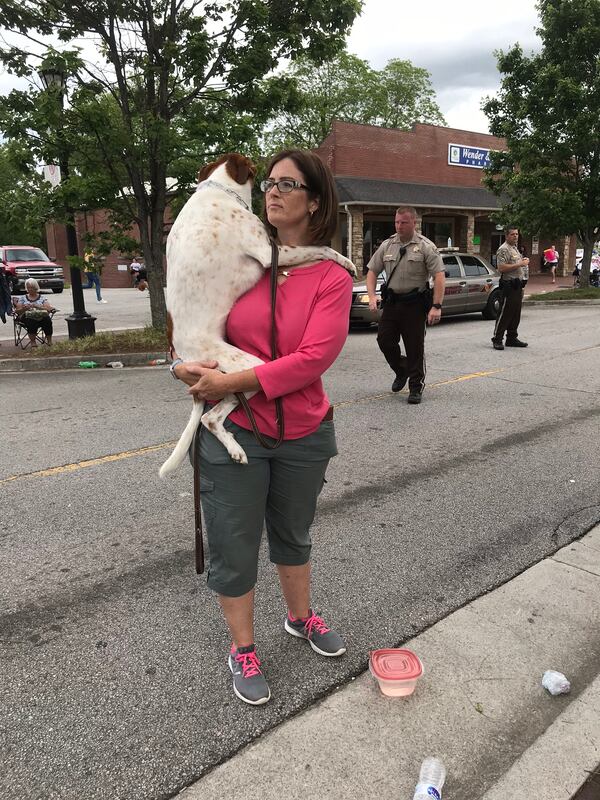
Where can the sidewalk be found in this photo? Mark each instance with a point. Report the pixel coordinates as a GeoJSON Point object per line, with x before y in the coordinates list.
{"type": "Point", "coordinates": [480, 706]}
{"type": "Point", "coordinates": [542, 282]}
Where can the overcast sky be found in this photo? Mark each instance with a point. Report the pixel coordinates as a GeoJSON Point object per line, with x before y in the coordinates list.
{"type": "Point", "coordinates": [454, 40]}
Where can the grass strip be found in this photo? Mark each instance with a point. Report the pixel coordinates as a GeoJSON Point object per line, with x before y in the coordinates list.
{"type": "Point", "coordinates": [139, 340]}
{"type": "Point", "coordinates": [590, 293]}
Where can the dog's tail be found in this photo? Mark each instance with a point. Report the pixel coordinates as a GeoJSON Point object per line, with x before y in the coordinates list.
{"type": "Point", "coordinates": [185, 441]}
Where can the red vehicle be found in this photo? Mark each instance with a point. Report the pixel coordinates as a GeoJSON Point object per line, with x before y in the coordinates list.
{"type": "Point", "coordinates": [21, 262]}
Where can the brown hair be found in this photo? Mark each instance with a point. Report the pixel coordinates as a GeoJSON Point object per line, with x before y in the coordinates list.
{"type": "Point", "coordinates": [321, 187]}
{"type": "Point", "coordinates": [407, 210]}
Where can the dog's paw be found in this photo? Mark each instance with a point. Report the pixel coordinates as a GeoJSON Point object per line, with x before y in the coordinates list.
{"type": "Point", "coordinates": [237, 454]}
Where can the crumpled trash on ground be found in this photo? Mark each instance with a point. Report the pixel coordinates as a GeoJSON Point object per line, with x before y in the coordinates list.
{"type": "Point", "coordinates": [115, 364]}
{"type": "Point", "coordinates": [556, 682]}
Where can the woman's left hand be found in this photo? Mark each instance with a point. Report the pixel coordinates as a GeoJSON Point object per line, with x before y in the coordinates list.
{"type": "Point", "coordinates": [211, 386]}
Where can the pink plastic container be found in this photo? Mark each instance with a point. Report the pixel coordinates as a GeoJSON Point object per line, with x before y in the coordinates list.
{"type": "Point", "coordinates": [397, 671]}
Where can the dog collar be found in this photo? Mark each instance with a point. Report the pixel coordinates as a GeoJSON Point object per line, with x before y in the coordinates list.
{"type": "Point", "coordinates": [218, 185]}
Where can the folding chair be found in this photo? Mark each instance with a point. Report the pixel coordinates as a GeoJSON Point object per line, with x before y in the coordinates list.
{"type": "Point", "coordinates": [22, 339]}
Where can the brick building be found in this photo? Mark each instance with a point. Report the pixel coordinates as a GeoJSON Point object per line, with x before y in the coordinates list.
{"type": "Point", "coordinates": [437, 170]}
{"type": "Point", "coordinates": [115, 271]}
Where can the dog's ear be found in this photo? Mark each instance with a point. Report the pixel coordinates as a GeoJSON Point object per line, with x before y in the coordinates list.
{"type": "Point", "coordinates": [208, 169]}
{"type": "Point", "coordinates": [240, 168]}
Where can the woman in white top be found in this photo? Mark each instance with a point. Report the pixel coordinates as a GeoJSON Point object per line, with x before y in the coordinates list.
{"type": "Point", "coordinates": [34, 301]}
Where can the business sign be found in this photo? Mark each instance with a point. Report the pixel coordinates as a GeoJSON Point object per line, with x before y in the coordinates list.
{"type": "Point", "coordinates": [463, 155]}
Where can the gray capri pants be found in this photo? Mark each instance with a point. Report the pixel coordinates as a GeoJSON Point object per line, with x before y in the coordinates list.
{"type": "Point", "coordinates": [278, 488]}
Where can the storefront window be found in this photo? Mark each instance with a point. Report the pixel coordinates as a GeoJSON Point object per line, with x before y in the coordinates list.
{"type": "Point", "coordinates": [374, 233]}
{"type": "Point", "coordinates": [439, 231]}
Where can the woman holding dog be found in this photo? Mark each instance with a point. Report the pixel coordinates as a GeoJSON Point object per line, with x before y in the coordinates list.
{"type": "Point", "coordinates": [278, 487]}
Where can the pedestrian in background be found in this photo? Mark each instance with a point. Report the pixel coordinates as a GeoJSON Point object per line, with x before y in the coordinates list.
{"type": "Point", "coordinates": [33, 310]}
{"type": "Point", "coordinates": [140, 276]}
{"type": "Point", "coordinates": [409, 260]}
{"type": "Point", "coordinates": [511, 266]}
{"type": "Point", "coordinates": [93, 276]}
{"type": "Point", "coordinates": [551, 259]}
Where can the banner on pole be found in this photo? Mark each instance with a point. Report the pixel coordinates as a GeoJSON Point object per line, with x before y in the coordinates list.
{"type": "Point", "coordinates": [52, 174]}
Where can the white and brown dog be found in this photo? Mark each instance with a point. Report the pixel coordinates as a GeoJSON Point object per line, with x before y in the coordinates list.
{"type": "Point", "coordinates": [217, 250]}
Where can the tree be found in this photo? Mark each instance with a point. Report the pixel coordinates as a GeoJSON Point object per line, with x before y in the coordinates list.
{"type": "Point", "coordinates": [348, 89]}
{"type": "Point", "coordinates": [548, 110]}
{"type": "Point", "coordinates": [171, 84]}
{"type": "Point", "coordinates": [22, 190]}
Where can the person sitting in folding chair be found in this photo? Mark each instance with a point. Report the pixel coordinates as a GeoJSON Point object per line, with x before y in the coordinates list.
{"type": "Point", "coordinates": [34, 312]}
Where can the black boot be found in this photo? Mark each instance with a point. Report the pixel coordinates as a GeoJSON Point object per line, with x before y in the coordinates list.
{"type": "Point", "coordinates": [399, 383]}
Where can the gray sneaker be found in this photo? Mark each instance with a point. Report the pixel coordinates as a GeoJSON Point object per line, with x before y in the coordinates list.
{"type": "Point", "coordinates": [249, 683]}
{"type": "Point", "coordinates": [321, 638]}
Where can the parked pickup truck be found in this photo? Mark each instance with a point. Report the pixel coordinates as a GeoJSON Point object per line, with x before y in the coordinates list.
{"type": "Point", "coordinates": [21, 262]}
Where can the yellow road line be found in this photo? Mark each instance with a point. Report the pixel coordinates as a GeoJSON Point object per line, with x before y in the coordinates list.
{"type": "Point", "coordinates": [468, 377]}
{"type": "Point", "coordinates": [93, 462]}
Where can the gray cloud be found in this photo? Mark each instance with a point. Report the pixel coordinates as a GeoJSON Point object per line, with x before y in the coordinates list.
{"type": "Point", "coordinates": [454, 42]}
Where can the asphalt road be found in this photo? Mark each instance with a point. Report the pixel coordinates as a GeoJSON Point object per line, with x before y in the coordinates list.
{"type": "Point", "coordinates": [113, 653]}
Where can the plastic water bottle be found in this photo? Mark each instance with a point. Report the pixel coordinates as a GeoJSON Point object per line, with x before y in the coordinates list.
{"type": "Point", "coordinates": [431, 780]}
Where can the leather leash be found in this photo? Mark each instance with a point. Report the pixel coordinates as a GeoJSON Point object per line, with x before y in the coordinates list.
{"type": "Point", "coordinates": [198, 540]}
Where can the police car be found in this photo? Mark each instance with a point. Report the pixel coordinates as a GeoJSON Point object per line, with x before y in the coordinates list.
{"type": "Point", "coordinates": [472, 286]}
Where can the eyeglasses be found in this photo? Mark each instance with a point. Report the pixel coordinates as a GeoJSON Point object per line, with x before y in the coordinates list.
{"type": "Point", "coordinates": [284, 186]}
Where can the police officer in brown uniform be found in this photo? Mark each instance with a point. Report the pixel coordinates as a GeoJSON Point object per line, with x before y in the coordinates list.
{"type": "Point", "coordinates": [510, 264]}
{"type": "Point", "coordinates": [409, 260]}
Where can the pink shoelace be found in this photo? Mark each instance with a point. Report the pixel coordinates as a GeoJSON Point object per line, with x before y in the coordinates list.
{"type": "Point", "coordinates": [314, 622]}
{"type": "Point", "coordinates": [250, 664]}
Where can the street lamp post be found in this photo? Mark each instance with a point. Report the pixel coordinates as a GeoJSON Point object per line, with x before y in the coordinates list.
{"type": "Point", "coordinates": [79, 323]}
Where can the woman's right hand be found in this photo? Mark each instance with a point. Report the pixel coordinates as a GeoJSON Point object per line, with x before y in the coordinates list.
{"type": "Point", "coordinates": [190, 378]}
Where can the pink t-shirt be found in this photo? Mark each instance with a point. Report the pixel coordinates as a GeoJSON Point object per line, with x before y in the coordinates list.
{"type": "Point", "coordinates": [312, 315]}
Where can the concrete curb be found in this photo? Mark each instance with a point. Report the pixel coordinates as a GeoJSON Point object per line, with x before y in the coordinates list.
{"type": "Point", "coordinates": [561, 758]}
{"type": "Point", "coordinates": [480, 705]}
{"type": "Point", "coordinates": [72, 362]}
